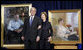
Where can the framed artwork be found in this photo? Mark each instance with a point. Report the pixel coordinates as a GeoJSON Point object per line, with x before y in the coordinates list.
{"type": "Point", "coordinates": [8, 11]}
{"type": "Point", "coordinates": [70, 31]}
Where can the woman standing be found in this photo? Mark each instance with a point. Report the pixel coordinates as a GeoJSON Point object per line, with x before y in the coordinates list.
{"type": "Point", "coordinates": [47, 32]}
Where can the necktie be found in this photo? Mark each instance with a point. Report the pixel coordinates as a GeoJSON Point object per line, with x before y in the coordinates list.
{"type": "Point", "coordinates": [30, 21]}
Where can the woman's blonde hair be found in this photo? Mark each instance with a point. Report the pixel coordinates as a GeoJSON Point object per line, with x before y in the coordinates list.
{"type": "Point", "coordinates": [44, 14]}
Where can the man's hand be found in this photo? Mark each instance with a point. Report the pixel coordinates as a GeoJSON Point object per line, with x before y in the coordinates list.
{"type": "Point", "coordinates": [49, 38]}
{"type": "Point", "coordinates": [22, 37]}
{"type": "Point", "coordinates": [37, 39]}
{"type": "Point", "coordinates": [18, 30]}
{"type": "Point", "coordinates": [39, 27]}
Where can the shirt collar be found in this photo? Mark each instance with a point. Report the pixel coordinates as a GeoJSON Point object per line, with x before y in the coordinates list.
{"type": "Point", "coordinates": [32, 16]}
{"type": "Point", "coordinates": [16, 20]}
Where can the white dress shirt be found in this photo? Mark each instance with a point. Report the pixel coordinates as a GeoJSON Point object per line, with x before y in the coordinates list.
{"type": "Point", "coordinates": [14, 24]}
{"type": "Point", "coordinates": [32, 18]}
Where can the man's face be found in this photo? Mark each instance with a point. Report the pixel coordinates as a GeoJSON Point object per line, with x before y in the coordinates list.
{"type": "Point", "coordinates": [62, 22]}
{"type": "Point", "coordinates": [16, 17]}
{"type": "Point", "coordinates": [33, 12]}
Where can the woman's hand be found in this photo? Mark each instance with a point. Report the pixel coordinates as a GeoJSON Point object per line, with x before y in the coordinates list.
{"type": "Point", "coordinates": [66, 35]}
{"type": "Point", "coordinates": [22, 37]}
{"type": "Point", "coordinates": [37, 39]}
{"type": "Point", "coordinates": [49, 38]}
{"type": "Point", "coordinates": [73, 33]}
{"type": "Point", "coordinates": [39, 27]}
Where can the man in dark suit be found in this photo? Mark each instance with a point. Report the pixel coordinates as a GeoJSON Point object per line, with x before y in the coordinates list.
{"type": "Point", "coordinates": [31, 30]}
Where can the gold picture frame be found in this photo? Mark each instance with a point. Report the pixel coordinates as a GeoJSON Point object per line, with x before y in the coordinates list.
{"type": "Point", "coordinates": [11, 46]}
{"type": "Point", "coordinates": [51, 17]}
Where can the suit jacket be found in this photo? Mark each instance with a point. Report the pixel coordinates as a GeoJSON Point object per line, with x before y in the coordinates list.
{"type": "Point", "coordinates": [31, 32]}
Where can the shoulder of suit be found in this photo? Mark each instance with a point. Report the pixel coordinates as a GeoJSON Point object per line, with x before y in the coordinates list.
{"type": "Point", "coordinates": [48, 22]}
{"type": "Point", "coordinates": [37, 17]}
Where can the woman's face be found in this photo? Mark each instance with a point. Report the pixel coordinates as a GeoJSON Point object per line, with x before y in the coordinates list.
{"type": "Point", "coordinates": [62, 22]}
{"type": "Point", "coordinates": [43, 16]}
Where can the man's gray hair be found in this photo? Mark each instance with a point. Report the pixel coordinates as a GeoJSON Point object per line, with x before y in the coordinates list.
{"type": "Point", "coordinates": [33, 8]}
